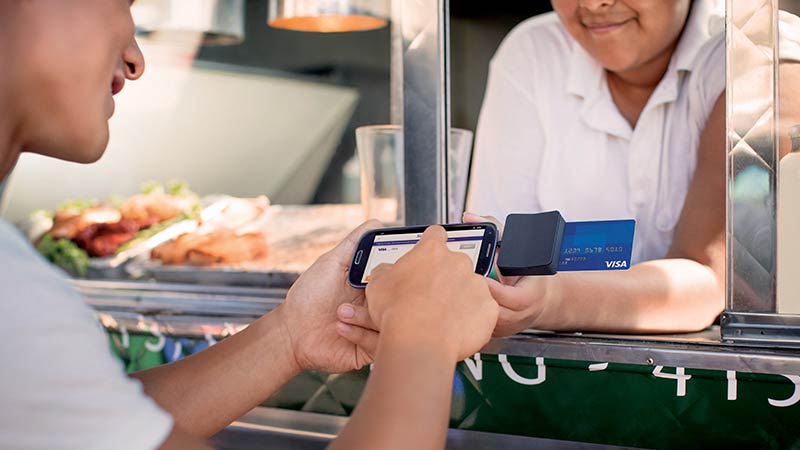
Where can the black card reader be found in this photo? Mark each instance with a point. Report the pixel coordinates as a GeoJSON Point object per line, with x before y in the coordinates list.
{"type": "Point", "coordinates": [531, 244]}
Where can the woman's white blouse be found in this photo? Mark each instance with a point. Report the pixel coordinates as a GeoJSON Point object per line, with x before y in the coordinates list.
{"type": "Point", "coordinates": [551, 138]}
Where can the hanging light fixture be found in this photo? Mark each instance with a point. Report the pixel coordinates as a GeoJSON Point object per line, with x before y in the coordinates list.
{"type": "Point", "coordinates": [221, 22]}
{"type": "Point", "coordinates": [328, 16]}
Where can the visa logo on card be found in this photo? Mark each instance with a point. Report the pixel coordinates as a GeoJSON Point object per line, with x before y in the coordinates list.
{"type": "Point", "coordinates": [605, 245]}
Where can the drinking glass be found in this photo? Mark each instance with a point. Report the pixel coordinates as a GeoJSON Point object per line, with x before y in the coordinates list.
{"type": "Point", "coordinates": [380, 154]}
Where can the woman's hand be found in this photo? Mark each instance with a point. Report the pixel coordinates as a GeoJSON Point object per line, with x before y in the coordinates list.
{"type": "Point", "coordinates": [521, 299]}
{"type": "Point", "coordinates": [308, 316]}
{"type": "Point", "coordinates": [521, 303]}
{"type": "Point", "coordinates": [432, 297]}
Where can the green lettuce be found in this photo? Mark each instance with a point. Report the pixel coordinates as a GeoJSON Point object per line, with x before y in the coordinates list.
{"type": "Point", "coordinates": [65, 254]}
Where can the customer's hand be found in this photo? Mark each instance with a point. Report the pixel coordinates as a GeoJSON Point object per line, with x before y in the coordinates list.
{"type": "Point", "coordinates": [309, 313]}
{"type": "Point", "coordinates": [521, 299]}
{"type": "Point", "coordinates": [432, 296]}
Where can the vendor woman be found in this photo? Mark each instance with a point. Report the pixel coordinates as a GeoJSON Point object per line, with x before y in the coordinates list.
{"type": "Point", "coordinates": [612, 109]}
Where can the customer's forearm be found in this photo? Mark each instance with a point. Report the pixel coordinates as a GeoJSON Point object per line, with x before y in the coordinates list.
{"type": "Point", "coordinates": [406, 403]}
{"type": "Point", "coordinates": [668, 295]}
{"type": "Point", "coordinates": [208, 390]}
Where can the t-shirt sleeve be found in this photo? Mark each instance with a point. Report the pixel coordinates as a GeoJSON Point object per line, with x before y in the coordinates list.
{"type": "Point", "coordinates": [61, 386]}
{"type": "Point", "coordinates": [508, 144]}
{"type": "Point", "coordinates": [712, 83]}
{"type": "Point", "coordinates": [789, 37]}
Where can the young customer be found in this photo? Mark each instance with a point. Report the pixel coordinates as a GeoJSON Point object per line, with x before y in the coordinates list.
{"type": "Point", "coordinates": [60, 388]}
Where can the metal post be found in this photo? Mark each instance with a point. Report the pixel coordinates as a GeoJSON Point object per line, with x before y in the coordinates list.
{"type": "Point", "coordinates": [426, 108]}
{"type": "Point", "coordinates": [752, 147]}
{"type": "Point", "coordinates": [396, 70]}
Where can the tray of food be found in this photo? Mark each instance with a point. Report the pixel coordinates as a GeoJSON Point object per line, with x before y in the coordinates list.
{"type": "Point", "coordinates": [248, 242]}
{"type": "Point", "coordinates": [96, 239]}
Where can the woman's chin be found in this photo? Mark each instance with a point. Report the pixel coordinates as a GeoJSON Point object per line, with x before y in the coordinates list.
{"type": "Point", "coordinates": [619, 67]}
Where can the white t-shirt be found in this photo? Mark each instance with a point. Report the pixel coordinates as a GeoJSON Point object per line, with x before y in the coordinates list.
{"type": "Point", "coordinates": [60, 385]}
{"type": "Point", "coordinates": [551, 138]}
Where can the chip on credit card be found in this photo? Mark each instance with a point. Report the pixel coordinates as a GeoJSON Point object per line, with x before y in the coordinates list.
{"type": "Point", "coordinates": [605, 245]}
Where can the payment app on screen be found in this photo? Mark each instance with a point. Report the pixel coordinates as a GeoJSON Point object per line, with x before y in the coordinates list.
{"type": "Point", "coordinates": [389, 248]}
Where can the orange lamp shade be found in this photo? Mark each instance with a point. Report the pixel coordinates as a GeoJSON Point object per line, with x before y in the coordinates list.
{"type": "Point", "coordinates": [328, 16]}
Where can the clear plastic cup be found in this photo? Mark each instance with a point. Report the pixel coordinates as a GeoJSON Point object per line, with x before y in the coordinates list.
{"type": "Point", "coordinates": [380, 153]}
{"type": "Point", "coordinates": [459, 158]}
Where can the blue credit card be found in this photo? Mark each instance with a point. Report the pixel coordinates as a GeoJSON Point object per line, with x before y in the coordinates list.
{"type": "Point", "coordinates": [605, 245]}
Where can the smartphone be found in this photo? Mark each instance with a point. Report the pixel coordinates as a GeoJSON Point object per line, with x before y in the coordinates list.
{"type": "Point", "coordinates": [387, 245]}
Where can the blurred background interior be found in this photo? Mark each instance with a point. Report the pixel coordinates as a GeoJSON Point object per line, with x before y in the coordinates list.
{"type": "Point", "coordinates": [259, 110]}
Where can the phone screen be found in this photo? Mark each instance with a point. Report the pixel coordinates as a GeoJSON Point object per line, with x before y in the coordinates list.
{"type": "Point", "coordinates": [388, 248]}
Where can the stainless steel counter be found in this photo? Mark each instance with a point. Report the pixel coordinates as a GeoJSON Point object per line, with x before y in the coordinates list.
{"type": "Point", "coordinates": [188, 310]}
{"type": "Point", "coordinates": [703, 350]}
{"type": "Point", "coordinates": [274, 429]}
{"type": "Point", "coordinates": [191, 310]}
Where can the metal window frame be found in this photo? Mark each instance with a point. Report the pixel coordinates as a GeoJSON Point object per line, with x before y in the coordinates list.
{"type": "Point", "coordinates": [753, 118]}
{"type": "Point", "coordinates": [423, 71]}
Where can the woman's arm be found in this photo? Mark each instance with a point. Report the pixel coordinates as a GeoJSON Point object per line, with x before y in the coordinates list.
{"type": "Point", "coordinates": [681, 293]}
{"type": "Point", "coordinates": [664, 296]}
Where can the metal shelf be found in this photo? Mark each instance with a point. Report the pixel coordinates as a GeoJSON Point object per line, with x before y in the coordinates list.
{"type": "Point", "coordinates": [177, 309]}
